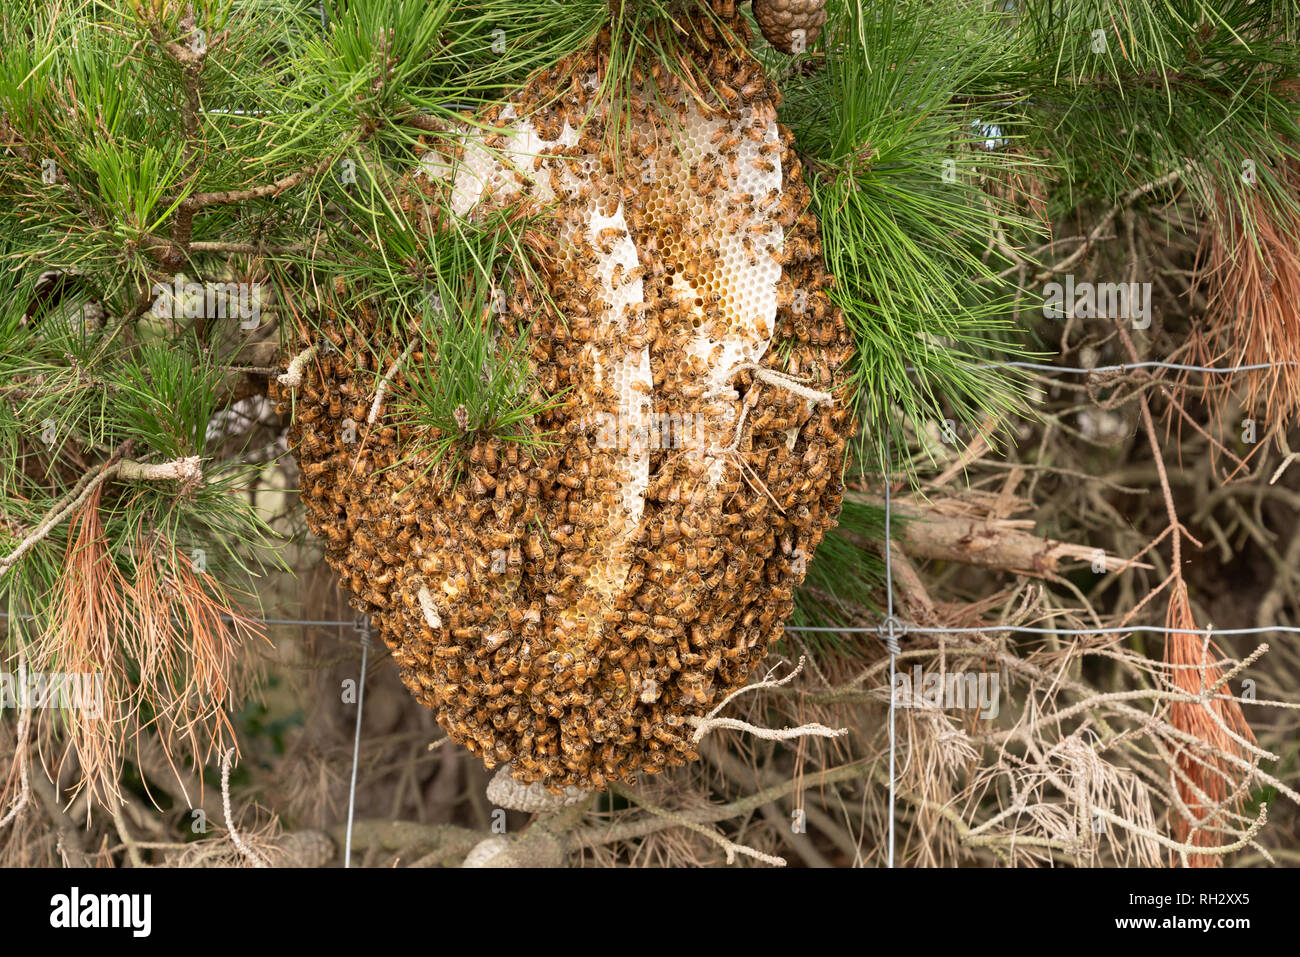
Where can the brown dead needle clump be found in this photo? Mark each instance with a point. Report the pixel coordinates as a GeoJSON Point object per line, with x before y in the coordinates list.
{"type": "Point", "coordinates": [1252, 277]}
{"type": "Point", "coordinates": [1209, 785]}
{"type": "Point", "coordinates": [161, 641]}
{"type": "Point", "coordinates": [567, 611]}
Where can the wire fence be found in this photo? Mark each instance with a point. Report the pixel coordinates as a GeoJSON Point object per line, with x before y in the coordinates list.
{"type": "Point", "coordinates": [890, 630]}
{"type": "Point", "coordinates": [1131, 367]}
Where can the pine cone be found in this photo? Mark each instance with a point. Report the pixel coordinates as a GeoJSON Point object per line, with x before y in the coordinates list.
{"type": "Point", "coordinates": [783, 20]}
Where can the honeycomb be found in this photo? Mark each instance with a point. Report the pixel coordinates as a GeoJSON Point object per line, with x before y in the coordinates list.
{"type": "Point", "coordinates": [568, 611]}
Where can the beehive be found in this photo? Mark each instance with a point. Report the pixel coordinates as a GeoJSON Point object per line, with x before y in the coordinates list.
{"type": "Point", "coordinates": [568, 612]}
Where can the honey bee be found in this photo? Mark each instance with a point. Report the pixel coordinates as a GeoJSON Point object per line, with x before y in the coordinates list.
{"type": "Point", "coordinates": [606, 238]}
{"type": "Point", "coordinates": [663, 79]}
{"type": "Point", "coordinates": [557, 182]}
{"type": "Point", "coordinates": [763, 165]}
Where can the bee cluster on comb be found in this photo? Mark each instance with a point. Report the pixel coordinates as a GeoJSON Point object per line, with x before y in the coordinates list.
{"type": "Point", "coordinates": [568, 610]}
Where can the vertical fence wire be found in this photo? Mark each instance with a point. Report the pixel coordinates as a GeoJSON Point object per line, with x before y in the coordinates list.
{"type": "Point", "coordinates": [889, 633]}
{"type": "Point", "coordinates": [363, 626]}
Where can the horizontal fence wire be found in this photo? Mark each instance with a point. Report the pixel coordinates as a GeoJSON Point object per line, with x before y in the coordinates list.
{"type": "Point", "coordinates": [858, 629]}
{"type": "Point", "coordinates": [1040, 630]}
{"type": "Point", "coordinates": [1129, 367]}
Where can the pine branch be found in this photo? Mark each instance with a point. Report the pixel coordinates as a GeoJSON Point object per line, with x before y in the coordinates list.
{"type": "Point", "coordinates": [199, 200]}
{"type": "Point", "coordinates": [117, 467]}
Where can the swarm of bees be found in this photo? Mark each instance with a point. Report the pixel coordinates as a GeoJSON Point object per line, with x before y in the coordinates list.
{"type": "Point", "coordinates": [567, 609]}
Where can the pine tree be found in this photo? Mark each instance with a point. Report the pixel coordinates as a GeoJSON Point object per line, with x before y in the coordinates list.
{"type": "Point", "coordinates": [206, 201]}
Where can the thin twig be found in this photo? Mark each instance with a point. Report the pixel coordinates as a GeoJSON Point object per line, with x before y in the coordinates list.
{"type": "Point", "coordinates": [244, 849]}
{"type": "Point", "coordinates": [20, 746]}
{"type": "Point", "coordinates": [132, 849]}
{"type": "Point", "coordinates": [730, 848]}
{"type": "Point", "coordinates": [186, 470]}
{"type": "Point", "coordinates": [378, 404]}
{"type": "Point", "coordinates": [292, 376]}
